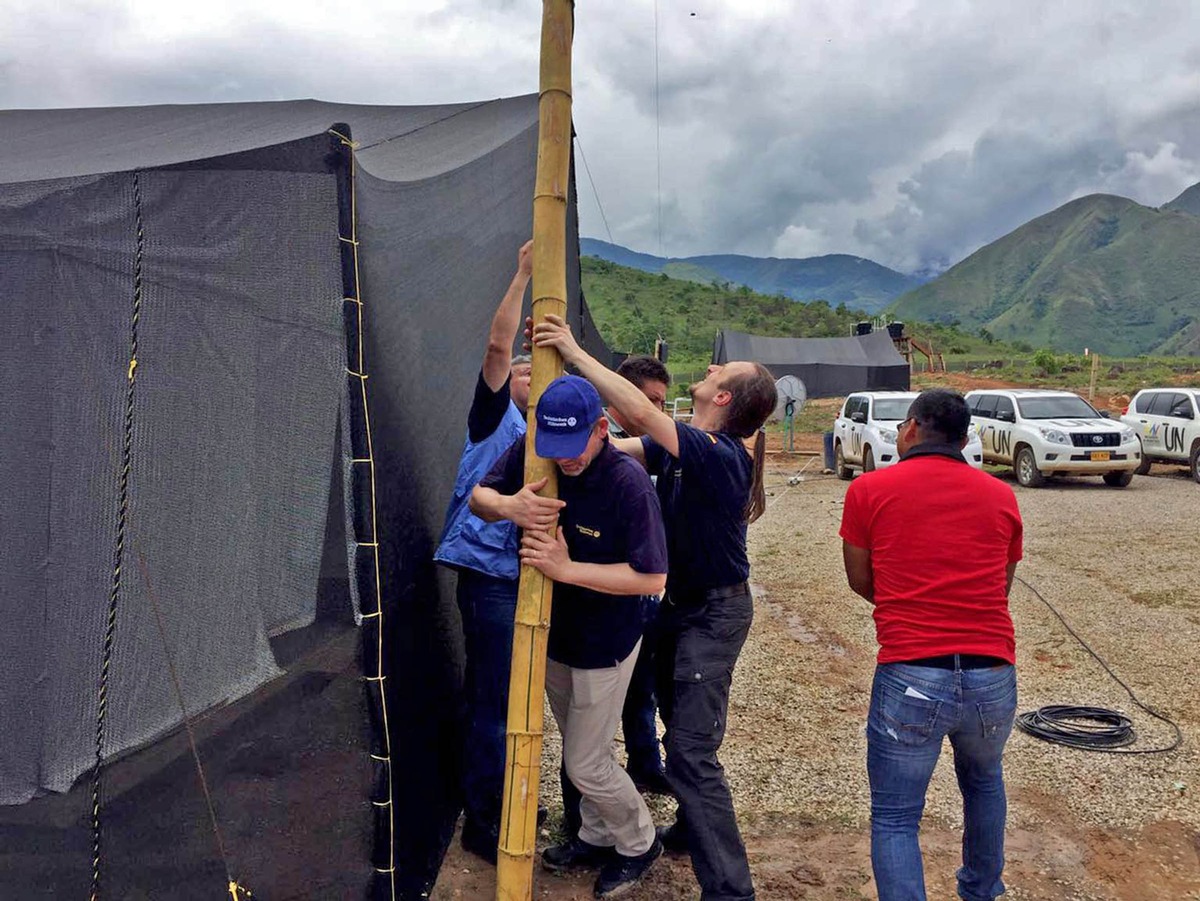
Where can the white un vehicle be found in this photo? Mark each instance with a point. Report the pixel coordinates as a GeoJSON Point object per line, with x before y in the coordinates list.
{"type": "Point", "coordinates": [1167, 420]}
{"type": "Point", "coordinates": [864, 434]}
{"type": "Point", "coordinates": [1042, 433]}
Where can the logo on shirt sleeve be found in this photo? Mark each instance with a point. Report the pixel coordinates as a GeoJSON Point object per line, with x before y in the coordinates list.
{"type": "Point", "coordinates": [584, 530]}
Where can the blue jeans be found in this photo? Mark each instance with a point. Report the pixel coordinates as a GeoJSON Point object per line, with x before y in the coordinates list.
{"type": "Point", "coordinates": [912, 709]}
{"type": "Point", "coordinates": [488, 606]}
{"type": "Point", "coordinates": [638, 718]}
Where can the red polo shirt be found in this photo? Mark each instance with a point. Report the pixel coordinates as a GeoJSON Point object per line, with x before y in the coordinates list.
{"type": "Point", "coordinates": [940, 535]}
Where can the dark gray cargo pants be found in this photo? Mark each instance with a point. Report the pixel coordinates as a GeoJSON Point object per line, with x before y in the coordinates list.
{"type": "Point", "coordinates": [701, 638]}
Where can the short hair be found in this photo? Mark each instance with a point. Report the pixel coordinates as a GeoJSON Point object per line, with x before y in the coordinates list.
{"type": "Point", "coordinates": [640, 369]}
{"type": "Point", "coordinates": [521, 360]}
{"type": "Point", "coordinates": [941, 413]}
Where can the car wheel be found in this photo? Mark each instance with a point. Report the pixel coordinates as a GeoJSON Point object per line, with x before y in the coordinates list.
{"type": "Point", "coordinates": [1118, 479]}
{"type": "Point", "coordinates": [868, 459]}
{"type": "Point", "coordinates": [1144, 466]}
{"type": "Point", "coordinates": [1028, 475]}
{"type": "Point", "coordinates": [844, 472]}
{"type": "Point", "coordinates": [1194, 464]}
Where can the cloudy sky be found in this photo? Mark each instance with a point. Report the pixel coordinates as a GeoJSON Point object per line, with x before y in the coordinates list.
{"type": "Point", "coordinates": [908, 132]}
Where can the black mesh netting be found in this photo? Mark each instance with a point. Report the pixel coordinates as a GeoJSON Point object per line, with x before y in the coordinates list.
{"type": "Point", "coordinates": [251, 519]}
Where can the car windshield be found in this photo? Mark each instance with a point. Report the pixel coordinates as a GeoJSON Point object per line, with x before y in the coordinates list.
{"type": "Point", "coordinates": [892, 409]}
{"type": "Point", "coordinates": [1065, 407]}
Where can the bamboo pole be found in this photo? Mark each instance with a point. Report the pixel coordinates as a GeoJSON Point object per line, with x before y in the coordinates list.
{"type": "Point", "coordinates": [527, 682]}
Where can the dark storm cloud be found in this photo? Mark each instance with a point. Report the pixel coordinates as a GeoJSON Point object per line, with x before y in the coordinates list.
{"type": "Point", "coordinates": [909, 132]}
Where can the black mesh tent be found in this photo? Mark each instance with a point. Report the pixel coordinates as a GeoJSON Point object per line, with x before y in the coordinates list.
{"type": "Point", "coordinates": [240, 344]}
{"type": "Point", "coordinates": [829, 367]}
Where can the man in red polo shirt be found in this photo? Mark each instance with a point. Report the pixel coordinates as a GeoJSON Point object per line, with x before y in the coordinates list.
{"type": "Point", "coordinates": [933, 544]}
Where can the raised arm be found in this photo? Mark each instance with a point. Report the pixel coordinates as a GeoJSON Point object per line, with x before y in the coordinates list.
{"type": "Point", "coordinates": [618, 392]}
{"type": "Point", "coordinates": [506, 321]}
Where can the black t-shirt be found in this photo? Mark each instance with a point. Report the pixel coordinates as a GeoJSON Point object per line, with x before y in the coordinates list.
{"type": "Point", "coordinates": [704, 495]}
{"type": "Point", "coordinates": [487, 409]}
{"type": "Point", "coordinates": [611, 516]}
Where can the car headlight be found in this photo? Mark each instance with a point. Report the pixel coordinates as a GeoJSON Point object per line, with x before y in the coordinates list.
{"type": "Point", "coordinates": [887, 436]}
{"type": "Point", "coordinates": [1128, 435]}
{"type": "Point", "coordinates": [1055, 436]}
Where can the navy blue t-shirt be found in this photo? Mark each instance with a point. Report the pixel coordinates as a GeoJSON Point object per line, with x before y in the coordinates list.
{"type": "Point", "coordinates": [611, 516]}
{"type": "Point", "coordinates": [704, 493]}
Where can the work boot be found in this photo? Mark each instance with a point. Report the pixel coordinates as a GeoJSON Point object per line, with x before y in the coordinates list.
{"type": "Point", "coordinates": [622, 873]}
{"type": "Point", "coordinates": [674, 838]}
{"type": "Point", "coordinates": [575, 854]}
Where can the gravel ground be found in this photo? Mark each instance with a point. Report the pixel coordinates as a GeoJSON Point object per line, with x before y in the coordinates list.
{"type": "Point", "coordinates": [1120, 565]}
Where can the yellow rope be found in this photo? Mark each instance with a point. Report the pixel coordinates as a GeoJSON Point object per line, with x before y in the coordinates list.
{"type": "Point", "coordinates": [373, 544]}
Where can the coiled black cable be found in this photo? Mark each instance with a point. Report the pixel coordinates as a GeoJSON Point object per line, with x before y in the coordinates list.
{"type": "Point", "coordinates": [1090, 728]}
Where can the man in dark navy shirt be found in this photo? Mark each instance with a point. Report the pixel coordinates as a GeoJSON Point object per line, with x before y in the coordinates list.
{"type": "Point", "coordinates": [605, 552]}
{"type": "Point", "coordinates": [710, 487]}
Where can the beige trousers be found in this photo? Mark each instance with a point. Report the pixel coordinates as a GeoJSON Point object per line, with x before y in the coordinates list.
{"type": "Point", "coordinates": [587, 706]}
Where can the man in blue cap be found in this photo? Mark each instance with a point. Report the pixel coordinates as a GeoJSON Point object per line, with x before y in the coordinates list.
{"type": "Point", "coordinates": [602, 541]}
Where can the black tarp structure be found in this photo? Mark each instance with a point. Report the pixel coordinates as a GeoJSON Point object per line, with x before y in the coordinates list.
{"type": "Point", "coordinates": [248, 238]}
{"type": "Point", "coordinates": [829, 367]}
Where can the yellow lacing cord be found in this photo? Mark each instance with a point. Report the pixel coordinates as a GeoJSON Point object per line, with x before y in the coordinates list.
{"type": "Point", "coordinates": [359, 372]}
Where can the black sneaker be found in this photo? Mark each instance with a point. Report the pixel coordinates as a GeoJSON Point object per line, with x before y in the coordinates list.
{"type": "Point", "coordinates": [674, 838]}
{"type": "Point", "coordinates": [575, 854]}
{"type": "Point", "coordinates": [652, 782]}
{"type": "Point", "coordinates": [480, 841]}
{"type": "Point", "coordinates": [621, 874]}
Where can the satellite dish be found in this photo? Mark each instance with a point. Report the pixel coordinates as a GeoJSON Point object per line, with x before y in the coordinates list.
{"type": "Point", "coordinates": [789, 388]}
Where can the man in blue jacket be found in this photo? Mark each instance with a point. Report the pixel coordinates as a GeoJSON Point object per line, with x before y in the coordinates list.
{"type": "Point", "coordinates": [484, 554]}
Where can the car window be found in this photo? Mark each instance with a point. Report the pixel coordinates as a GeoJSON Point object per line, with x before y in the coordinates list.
{"type": "Point", "coordinates": [1062, 407]}
{"type": "Point", "coordinates": [1143, 401]}
{"type": "Point", "coordinates": [1160, 405]}
{"type": "Point", "coordinates": [1181, 407]}
{"type": "Point", "coordinates": [986, 405]}
{"type": "Point", "coordinates": [892, 409]}
{"type": "Point", "coordinates": [1003, 405]}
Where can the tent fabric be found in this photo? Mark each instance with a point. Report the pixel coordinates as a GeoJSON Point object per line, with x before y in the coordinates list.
{"type": "Point", "coordinates": [249, 514]}
{"type": "Point", "coordinates": [829, 367]}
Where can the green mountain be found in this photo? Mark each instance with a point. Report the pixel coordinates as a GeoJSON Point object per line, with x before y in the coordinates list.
{"type": "Point", "coordinates": [632, 308]}
{"type": "Point", "coordinates": [1100, 272]}
{"type": "Point", "coordinates": [838, 278]}
{"type": "Point", "coordinates": [1187, 202]}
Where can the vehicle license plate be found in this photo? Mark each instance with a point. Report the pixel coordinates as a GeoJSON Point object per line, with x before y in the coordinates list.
{"type": "Point", "coordinates": [1100, 456]}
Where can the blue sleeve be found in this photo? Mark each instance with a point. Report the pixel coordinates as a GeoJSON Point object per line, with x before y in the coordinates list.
{"type": "Point", "coordinates": [647, 550]}
{"type": "Point", "coordinates": [507, 474]}
{"type": "Point", "coordinates": [487, 409]}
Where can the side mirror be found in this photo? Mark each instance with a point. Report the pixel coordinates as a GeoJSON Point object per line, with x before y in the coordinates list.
{"type": "Point", "coordinates": [858, 417]}
{"type": "Point", "coordinates": [1006, 415]}
{"type": "Point", "coordinates": [1105, 414]}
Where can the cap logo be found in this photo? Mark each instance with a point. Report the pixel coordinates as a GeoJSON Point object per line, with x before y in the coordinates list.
{"type": "Point", "coordinates": [571, 420]}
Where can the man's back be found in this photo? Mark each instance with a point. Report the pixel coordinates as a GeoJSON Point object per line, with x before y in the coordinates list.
{"type": "Point", "coordinates": [941, 535]}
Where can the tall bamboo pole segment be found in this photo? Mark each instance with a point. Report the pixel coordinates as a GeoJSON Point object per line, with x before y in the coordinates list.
{"type": "Point", "coordinates": [526, 692]}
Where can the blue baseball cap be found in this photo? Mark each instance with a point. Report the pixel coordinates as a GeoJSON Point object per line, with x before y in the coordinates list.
{"type": "Point", "coordinates": [566, 412]}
